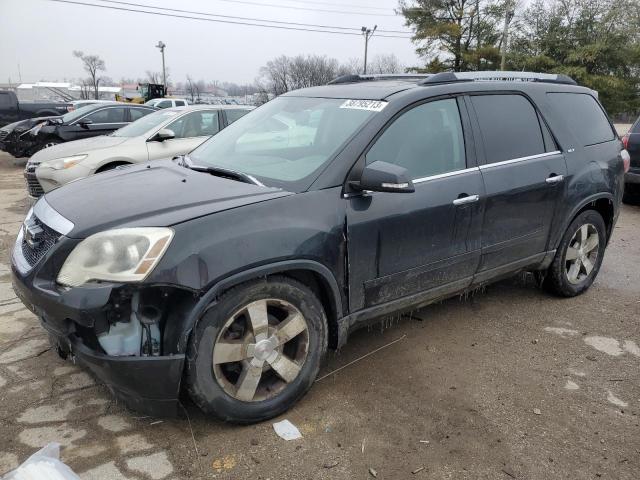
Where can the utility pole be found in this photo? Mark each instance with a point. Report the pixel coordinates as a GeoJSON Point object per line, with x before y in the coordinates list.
{"type": "Point", "coordinates": [368, 33]}
{"type": "Point", "coordinates": [508, 16]}
{"type": "Point", "coordinates": [161, 46]}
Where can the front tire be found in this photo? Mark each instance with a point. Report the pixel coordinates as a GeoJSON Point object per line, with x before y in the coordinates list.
{"type": "Point", "coordinates": [579, 256]}
{"type": "Point", "coordinates": [257, 350]}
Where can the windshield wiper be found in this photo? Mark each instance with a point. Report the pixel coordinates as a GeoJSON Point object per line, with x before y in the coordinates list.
{"type": "Point", "coordinates": [185, 161]}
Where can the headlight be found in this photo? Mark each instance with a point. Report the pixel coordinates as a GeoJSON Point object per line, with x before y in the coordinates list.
{"type": "Point", "coordinates": [121, 255]}
{"type": "Point", "coordinates": [65, 162]}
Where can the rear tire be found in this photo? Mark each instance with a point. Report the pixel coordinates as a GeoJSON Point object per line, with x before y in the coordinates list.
{"type": "Point", "coordinates": [579, 256]}
{"type": "Point", "coordinates": [242, 365]}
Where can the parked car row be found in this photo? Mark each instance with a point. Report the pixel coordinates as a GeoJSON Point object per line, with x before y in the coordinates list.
{"type": "Point", "coordinates": [25, 138]}
{"type": "Point", "coordinates": [162, 134]}
{"type": "Point", "coordinates": [231, 270]}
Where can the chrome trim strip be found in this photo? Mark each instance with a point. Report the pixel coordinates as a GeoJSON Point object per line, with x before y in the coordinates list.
{"type": "Point", "coordinates": [519, 159]}
{"type": "Point", "coordinates": [51, 218]}
{"type": "Point", "coordinates": [444, 175]}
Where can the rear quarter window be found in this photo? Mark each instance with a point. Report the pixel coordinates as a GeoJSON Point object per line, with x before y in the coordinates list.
{"type": "Point", "coordinates": [584, 117]}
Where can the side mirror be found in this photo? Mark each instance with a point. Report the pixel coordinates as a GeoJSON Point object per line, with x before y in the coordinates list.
{"type": "Point", "coordinates": [163, 134]}
{"type": "Point", "coordinates": [384, 177]}
{"type": "Point", "coordinates": [85, 122]}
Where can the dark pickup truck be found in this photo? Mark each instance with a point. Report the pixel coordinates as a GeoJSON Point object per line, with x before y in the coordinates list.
{"type": "Point", "coordinates": [12, 110]}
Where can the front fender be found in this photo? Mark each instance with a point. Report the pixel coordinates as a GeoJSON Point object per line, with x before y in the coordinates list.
{"type": "Point", "coordinates": [225, 284]}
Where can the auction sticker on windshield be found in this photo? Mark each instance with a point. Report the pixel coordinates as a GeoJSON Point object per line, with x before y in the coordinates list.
{"type": "Point", "coordinates": [371, 105]}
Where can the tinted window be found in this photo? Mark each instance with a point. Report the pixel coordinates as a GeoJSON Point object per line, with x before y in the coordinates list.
{"type": "Point", "coordinates": [427, 140]}
{"type": "Point", "coordinates": [583, 115]}
{"type": "Point", "coordinates": [179, 103]}
{"type": "Point", "coordinates": [195, 124]}
{"type": "Point", "coordinates": [108, 115]}
{"type": "Point", "coordinates": [138, 113]}
{"type": "Point", "coordinates": [233, 115]}
{"type": "Point", "coordinates": [164, 104]}
{"type": "Point", "coordinates": [510, 127]}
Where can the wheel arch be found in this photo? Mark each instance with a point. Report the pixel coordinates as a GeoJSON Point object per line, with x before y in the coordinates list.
{"type": "Point", "coordinates": [313, 274]}
{"type": "Point", "coordinates": [603, 203]}
{"type": "Point", "coordinates": [112, 163]}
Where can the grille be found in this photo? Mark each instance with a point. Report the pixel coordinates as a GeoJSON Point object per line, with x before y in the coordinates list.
{"type": "Point", "coordinates": [3, 134]}
{"type": "Point", "coordinates": [33, 185]}
{"type": "Point", "coordinates": [46, 239]}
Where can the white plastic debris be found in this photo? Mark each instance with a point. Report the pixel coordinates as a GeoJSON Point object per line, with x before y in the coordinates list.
{"type": "Point", "coordinates": [287, 430]}
{"type": "Point", "coordinates": [44, 464]}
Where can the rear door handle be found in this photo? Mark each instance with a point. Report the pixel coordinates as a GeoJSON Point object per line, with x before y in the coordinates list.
{"type": "Point", "coordinates": [555, 179]}
{"type": "Point", "coordinates": [466, 200]}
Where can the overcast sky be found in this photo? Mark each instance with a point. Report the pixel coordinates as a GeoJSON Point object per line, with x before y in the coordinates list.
{"type": "Point", "coordinates": [40, 35]}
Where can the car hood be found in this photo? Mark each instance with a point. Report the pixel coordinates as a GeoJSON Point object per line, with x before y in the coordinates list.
{"type": "Point", "coordinates": [76, 147]}
{"type": "Point", "coordinates": [153, 194]}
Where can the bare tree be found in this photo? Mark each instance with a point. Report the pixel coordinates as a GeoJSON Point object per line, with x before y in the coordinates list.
{"type": "Point", "coordinates": [353, 66]}
{"type": "Point", "coordinates": [288, 73]}
{"type": "Point", "coordinates": [388, 63]}
{"type": "Point", "coordinates": [92, 64]}
{"type": "Point", "coordinates": [154, 77]}
{"type": "Point", "coordinates": [191, 88]}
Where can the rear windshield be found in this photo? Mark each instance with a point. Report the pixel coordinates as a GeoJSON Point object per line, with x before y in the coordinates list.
{"type": "Point", "coordinates": [584, 116]}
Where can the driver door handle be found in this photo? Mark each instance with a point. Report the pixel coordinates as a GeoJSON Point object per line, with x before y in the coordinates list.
{"type": "Point", "coordinates": [555, 179]}
{"type": "Point", "coordinates": [466, 200]}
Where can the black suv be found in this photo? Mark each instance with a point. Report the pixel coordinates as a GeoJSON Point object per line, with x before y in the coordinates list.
{"type": "Point", "coordinates": [631, 143]}
{"type": "Point", "coordinates": [232, 270]}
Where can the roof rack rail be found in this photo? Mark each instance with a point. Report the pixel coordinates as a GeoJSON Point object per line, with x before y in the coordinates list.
{"type": "Point", "coordinates": [490, 76]}
{"type": "Point", "coordinates": [378, 76]}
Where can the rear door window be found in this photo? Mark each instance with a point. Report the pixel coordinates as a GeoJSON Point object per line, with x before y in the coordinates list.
{"type": "Point", "coordinates": [584, 116]}
{"type": "Point", "coordinates": [108, 115]}
{"type": "Point", "coordinates": [137, 113]}
{"type": "Point", "coordinates": [510, 127]}
{"type": "Point", "coordinates": [235, 114]}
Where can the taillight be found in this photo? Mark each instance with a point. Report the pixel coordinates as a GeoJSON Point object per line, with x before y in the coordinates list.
{"type": "Point", "coordinates": [626, 160]}
{"type": "Point", "coordinates": [625, 141]}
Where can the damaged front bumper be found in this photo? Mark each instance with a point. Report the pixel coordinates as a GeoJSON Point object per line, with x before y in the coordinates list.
{"type": "Point", "coordinates": [147, 384]}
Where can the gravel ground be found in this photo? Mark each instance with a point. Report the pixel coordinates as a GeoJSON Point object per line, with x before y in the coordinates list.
{"type": "Point", "coordinates": [506, 383]}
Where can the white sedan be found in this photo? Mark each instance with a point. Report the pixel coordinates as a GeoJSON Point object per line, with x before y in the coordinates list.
{"type": "Point", "coordinates": [162, 134]}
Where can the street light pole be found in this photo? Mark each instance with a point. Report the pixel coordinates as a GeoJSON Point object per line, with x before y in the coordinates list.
{"type": "Point", "coordinates": [368, 33]}
{"type": "Point", "coordinates": [505, 35]}
{"type": "Point", "coordinates": [161, 46]}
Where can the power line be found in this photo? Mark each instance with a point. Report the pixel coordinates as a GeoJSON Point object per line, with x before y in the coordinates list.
{"type": "Point", "coordinates": [366, 7]}
{"type": "Point", "coordinates": [243, 18]}
{"type": "Point", "coordinates": [247, 2]}
{"type": "Point", "coordinates": [280, 27]}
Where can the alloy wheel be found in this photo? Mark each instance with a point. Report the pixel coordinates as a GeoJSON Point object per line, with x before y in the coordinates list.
{"type": "Point", "coordinates": [582, 253]}
{"type": "Point", "coordinates": [260, 349]}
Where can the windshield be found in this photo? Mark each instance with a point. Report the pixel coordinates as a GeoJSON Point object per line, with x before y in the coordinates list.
{"type": "Point", "coordinates": [285, 141]}
{"type": "Point", "coordinates": [144, 124]}
{"type": "Point", "coordinates": [76, 114]}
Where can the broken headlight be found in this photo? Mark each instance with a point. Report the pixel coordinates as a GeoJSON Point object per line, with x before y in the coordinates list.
{"type": "Point", "coordinates": [121, 255]}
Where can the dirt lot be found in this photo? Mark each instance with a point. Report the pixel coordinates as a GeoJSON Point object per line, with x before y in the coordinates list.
{"type": "Point", "coordinates": [507, 383]}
